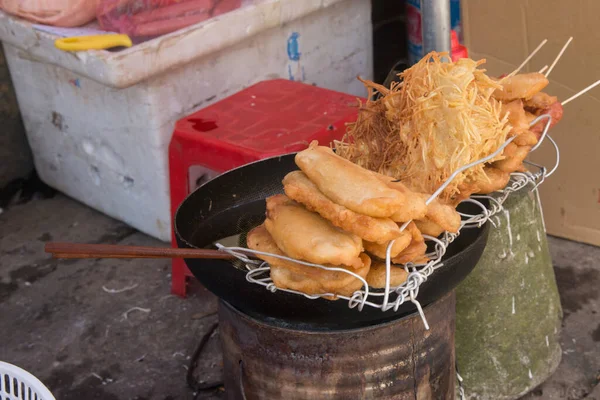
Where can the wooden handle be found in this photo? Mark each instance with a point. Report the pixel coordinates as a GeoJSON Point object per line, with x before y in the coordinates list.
{"type": "Point", "coordinates": [81, 250]}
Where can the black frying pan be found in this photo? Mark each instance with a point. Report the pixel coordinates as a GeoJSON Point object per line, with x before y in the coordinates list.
{"type": "Point", "coordinates": [234, 203]}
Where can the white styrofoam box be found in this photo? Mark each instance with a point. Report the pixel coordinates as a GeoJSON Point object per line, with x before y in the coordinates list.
{"type": "Point", "coordinates": [99, 123]}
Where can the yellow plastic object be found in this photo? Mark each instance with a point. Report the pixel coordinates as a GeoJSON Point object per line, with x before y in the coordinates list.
{"type": "Point", "coordinates": [95, 42]}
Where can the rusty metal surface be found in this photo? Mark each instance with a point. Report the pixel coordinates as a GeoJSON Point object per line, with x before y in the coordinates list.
{"type": "Point", "coordinates": [397, 360]}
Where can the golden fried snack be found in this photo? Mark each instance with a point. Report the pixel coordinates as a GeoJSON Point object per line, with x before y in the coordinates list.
{"type": "Point", "coordinates": [307, 236]}
{"type": "Point", "coordinates": [466, 189]}
{"type": "Point", "coordinates": [400, 243]}
{"type": "Point", "coordinates": [284, 278]}
{"type": "Point", "coordinates": [415, 252]}
{"type": "Point", "coordinates": [514, 156]}
{"type": "Point", "coordinates": [526, 138]}
{"type": "Point", "coordinates": [428, 227]}
{"type": "Point", "coordinates": [414, 208]}
{"type": "Point", "coordinates": [519, 119]}
{"type": "Point", "coordinates": [378, 230]}
{"type": "Point", "coordinates": [377, 274]}
{"type": "Point", "coordinates": [348, 184]}
{"type": "Point", "coordinates": [307, 279]}
{"type": "Point", "coordinates": [498, 179]}
{"type": "Point", "coordinates": [442, 214]}
{"type": "Point", "coordinates": [520, 86]}
{"type": "Point", "coordinates": [522, 168]}
{"type": "Point", "coordinates": [555, 111]}
{"type": "Point", "coordinates": [516, 116]}
{"type": "Point", "coordinates": [530, 117]}
{"type": "Point", "coordinates": [260, 239]}
{"type": "Point", "coordinates": [540, 101]}
{"type": "Point", "coordinates": [439, 119]}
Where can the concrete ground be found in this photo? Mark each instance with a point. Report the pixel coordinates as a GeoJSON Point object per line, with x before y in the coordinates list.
{"type": "Point", "coordinates": [108, 329]}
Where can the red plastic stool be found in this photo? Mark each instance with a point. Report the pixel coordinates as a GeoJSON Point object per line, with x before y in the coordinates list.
{"type": "Point", "coordinates": [268, 119]}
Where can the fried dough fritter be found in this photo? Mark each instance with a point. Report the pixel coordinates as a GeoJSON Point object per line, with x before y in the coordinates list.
{"type": "Point", "coordinates": [298, 187]}
{"type": "Point", "coordinates": [304, 235]}
{"type": "Point", "coordinates": [348, 184]}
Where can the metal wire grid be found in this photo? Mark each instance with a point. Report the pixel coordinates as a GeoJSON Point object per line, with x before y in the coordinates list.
{"type": "Point", "coordinates": [394, 297]}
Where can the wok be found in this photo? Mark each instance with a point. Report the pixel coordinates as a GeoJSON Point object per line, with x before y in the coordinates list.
{"type": "Point", "coordinates": [234, 203]}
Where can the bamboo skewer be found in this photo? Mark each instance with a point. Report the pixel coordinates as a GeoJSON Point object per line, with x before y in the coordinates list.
{"type": "Point", "coordinates": [528, 58]}
{"type": "Point", "coordinates": [558, 56]}
{"type": "Point", "coordinates": [547, 69]}
{"type": "Point", "coordinates": [576, 95]}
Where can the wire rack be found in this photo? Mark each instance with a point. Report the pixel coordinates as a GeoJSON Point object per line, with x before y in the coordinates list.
{"type": "Point", "coordinates": [391, 298]}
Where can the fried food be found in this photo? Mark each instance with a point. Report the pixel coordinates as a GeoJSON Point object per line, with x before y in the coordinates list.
{"type": "Point", "coordinates": [443, 116]}
{"type": "Point", "coordinates": [347, 184]}
{"type": "Point", "coordinates": [378, 230]}
{"type": "Point", "coordinates": [307, 236]}
{"type": "Point", "coordinates": [519, 120]}
{"type": "Point", "coordinates": [514, 157]}
{"type": "Point", "coordinates": [521, 86]}
{"type": "Point", "coordinates": [466, 189]}
{"type": "Point", "coordinates": [494, 179]}
{"type": "Point", "coordinates": [440, 118]}
{"type": "Point", "coordinates": [516, 116]}
{"type": "Point", "coordinates": [415, 252]}
{"type": "Point", "coordinates": [377, 274]}
{"type": "Point", "coordinates": [555, 111]}
{"type": "Point", "coordinates": [526, 138]}
{"type": "Point", "coordinates": [285, 278]}
{"type": "Point", "coordinates": [530, 117]}
{"type": "Point", "coordinates": [304, 278]}
{"type": "Point", "coordinates": [428, 227]}
{"type": "Point", "coordinates": [442, 214]}
{"type": "Point", "coordinates": [540, 101]}
{"type": "Point", "coordinates": [498, 180]}
{"type": "Point", "coordinates": [522, 168]}
{"type": "Point", "coordinates": [346, 206]}
{"type": "Point", "coordinates": [261, 240]}
{"type": "Point", "coordinates": [415, 207]}
{"type": "Point", "coordinates": [400, 243]}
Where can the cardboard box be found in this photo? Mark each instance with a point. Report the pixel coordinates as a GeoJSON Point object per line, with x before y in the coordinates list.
{"type": "Point", "coordinates": [505, 32]}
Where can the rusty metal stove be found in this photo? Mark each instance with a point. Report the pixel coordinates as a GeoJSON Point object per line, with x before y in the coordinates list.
{"type": "Point", "coordinates": [396, 360]}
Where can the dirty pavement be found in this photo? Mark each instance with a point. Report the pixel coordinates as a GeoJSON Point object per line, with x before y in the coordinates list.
{"type": "Point", "coordinates": [109, 329]}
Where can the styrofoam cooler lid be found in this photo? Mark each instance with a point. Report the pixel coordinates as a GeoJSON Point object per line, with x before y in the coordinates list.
{"type": "Point", "coordinates": [130, 66]}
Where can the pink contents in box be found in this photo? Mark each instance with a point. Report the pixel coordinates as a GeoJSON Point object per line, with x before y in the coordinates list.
{"type": "Point", "coordinates": [144, 19]}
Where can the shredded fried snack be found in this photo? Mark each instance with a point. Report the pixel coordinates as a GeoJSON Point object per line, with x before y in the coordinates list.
{"type": "Point", "coordinates": [438, 119]}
